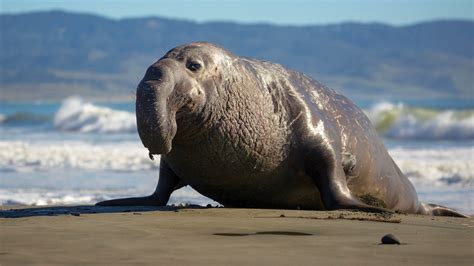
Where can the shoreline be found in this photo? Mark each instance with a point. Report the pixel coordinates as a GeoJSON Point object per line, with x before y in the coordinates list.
{"type": "Point", "coordinates": [203, 236]}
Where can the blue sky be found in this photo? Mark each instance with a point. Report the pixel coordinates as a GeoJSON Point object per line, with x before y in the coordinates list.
{"type": "Point", "coordinates": [296, 12]}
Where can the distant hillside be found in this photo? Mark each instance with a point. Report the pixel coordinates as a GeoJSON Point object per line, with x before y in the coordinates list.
{"type": "Point", "coordinates": [50, 55]}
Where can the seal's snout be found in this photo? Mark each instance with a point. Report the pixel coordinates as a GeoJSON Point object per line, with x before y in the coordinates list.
{"type": "Point", "coordinates": [155, 119]}
{"type": "Point", "coordinates": [168, 91]}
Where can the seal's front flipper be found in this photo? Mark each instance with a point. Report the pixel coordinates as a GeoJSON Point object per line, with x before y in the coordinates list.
{"type": "Point", "coordinates": [138, 201]}
{"type": "Point", "coordinates": [168, 182]}
{"type": "Point", "coordinates": [329, 177]}
{"type": "Point", "coordinates": [438, 210]}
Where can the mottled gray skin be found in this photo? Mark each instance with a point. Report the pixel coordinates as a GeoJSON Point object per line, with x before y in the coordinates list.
{"type": "Point", "coordinates": [248, 133]}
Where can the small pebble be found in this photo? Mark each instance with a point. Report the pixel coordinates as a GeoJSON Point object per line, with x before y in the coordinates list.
{"type": "Point", "coordinates": [75, 214]}
{"type": "Point", "coordinates": [390, 239]}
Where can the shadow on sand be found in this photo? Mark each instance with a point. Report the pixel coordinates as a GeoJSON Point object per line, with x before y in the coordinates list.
{"type": "Point", "coordinates": [78, 210]}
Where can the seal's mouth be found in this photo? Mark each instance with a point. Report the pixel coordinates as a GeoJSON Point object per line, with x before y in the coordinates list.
{"type": "Point", "coordinates": [160, 146]}
{"type": "Point", "coordinates": [152, 153]}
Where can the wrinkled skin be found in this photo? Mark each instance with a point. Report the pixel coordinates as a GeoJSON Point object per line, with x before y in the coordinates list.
{"type": "Point", "coordinates": [248, 133]}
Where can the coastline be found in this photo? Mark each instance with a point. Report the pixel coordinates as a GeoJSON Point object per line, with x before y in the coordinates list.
{"type": "Point", "coordinates": [209, 236]}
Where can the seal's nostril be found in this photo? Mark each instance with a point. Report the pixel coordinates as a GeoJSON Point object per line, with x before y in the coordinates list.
{"type": "Point", "coordinates": [154, 73]}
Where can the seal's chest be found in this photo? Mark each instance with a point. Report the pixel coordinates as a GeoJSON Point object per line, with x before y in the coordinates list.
{"type": "Point", "coordinates": [223, 163]}
{"type": "Point", "coordinates": [250, 155]}
{"type": "Point", "coordinates": [232, 151]}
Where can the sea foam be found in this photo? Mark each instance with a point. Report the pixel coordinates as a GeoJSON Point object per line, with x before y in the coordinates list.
{"type": "Point", "coordinates": [33, 156]}
{"type": "Point", "coordinates": [436, 166]}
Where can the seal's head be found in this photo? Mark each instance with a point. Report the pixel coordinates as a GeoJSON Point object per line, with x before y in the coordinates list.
{"type": "Point", "coordinates": [174, 91]}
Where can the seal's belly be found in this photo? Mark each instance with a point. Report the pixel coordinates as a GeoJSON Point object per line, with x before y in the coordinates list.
{"type": "Point", "coordinates": [280, 188]}
{"type": "Point", "coordinates": [235, 176]}
{"type": "Point", "coordinates": [291, 195]}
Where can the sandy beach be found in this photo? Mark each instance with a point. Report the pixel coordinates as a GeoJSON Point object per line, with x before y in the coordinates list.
{"type": "Point", "coordinates": [222, 236]}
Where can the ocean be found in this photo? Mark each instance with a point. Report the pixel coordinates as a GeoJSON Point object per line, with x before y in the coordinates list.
{"type": "Point", "coordinates": [79, 152]}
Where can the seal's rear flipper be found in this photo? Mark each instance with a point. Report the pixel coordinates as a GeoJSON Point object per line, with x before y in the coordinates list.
{"type": "Point", "coordinates": [354, 204]}
{"type": "Point", "coordinates": [330, 178]}
{"type": "Point", "coordinates": [438, 210]}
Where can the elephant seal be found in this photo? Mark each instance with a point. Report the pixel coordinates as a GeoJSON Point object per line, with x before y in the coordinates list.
{"type": "Point", "coordinates": [249, 133]}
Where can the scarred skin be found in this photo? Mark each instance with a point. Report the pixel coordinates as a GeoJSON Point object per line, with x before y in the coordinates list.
{"type": "Point", "coordinates": [253, 134]}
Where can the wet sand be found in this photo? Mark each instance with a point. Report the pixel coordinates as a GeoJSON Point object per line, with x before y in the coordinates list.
{"type": "Point", "coordinates": [222, 236]}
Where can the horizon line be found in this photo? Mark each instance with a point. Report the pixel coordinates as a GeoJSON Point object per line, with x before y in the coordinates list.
{"type": "Point", "coordinates": [247, 23]}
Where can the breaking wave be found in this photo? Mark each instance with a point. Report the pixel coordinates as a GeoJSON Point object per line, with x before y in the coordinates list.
{"type": "Point", "coordinates": [401, 122]}
{"type": "Point", "coordinates": [395, 121]}
{"type": "Point", "coordinates": [80, 116]}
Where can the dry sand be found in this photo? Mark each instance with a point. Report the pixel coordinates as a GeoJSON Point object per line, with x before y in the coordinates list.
{"type": "Point", "coordinates": [221, 236]}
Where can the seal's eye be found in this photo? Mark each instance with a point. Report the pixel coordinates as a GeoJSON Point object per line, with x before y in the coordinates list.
{"type": "Point", "coordinates": [193, 66]}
